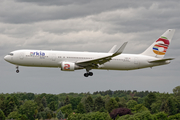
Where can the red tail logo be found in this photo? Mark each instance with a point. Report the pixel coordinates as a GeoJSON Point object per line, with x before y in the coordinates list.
{"type": "Point", "coordinates": [161, 47]}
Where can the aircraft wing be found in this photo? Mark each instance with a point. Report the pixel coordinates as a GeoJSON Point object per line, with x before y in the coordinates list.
{"type": "Point", "coordinates": [93, 63]}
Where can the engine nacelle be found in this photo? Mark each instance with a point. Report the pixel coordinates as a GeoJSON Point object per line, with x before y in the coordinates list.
{"type": "Point", "coordinates": [69, 66]}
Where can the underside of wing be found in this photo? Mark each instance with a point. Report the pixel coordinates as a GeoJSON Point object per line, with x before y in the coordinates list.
{"type": "Point", "coordinates": [93, 63]}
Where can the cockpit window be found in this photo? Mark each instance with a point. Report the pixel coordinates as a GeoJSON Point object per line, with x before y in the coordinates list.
{"type": "Point", "coordinates": [10, 54]}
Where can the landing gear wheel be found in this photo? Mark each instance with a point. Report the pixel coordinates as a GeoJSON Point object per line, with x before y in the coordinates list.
{"type": "Point", "coordinates": [86, 75]}
{"type": "Point", "coordinates": [17, 71]}
{"type": "Point", "coordinates": [90, 73]}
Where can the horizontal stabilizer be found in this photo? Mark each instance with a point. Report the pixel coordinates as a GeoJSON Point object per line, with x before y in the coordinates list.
{"type": "Point", "coordinates": [161, 60]}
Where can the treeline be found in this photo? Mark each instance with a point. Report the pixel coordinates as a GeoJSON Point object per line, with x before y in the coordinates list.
{"type": "Point", "coordinates": [123, 93]}
{"type": "Point", "coordinates": [101, 105]}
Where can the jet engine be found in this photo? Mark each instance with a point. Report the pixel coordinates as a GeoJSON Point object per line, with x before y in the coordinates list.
{"type": "Point", "coordinates": [69, 66]}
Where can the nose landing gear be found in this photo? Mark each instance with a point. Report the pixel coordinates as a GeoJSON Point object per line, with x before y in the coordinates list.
{"type": "Point", "coordinates": [17, 69]}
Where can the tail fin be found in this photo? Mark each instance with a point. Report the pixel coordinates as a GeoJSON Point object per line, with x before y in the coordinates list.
{"type": "Point", "coordinates": [159, 48]}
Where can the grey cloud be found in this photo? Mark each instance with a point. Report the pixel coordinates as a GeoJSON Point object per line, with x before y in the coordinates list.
{"type": "Point", "coordinates": [25, 12]}
{"type": "Point", "coordinates": [55, 2]}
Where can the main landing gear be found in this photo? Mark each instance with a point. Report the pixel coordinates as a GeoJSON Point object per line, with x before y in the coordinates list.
{"type": "Point", "coordinates": [88, 73]}
{"type": "Point", "coordinates": [17, 69]}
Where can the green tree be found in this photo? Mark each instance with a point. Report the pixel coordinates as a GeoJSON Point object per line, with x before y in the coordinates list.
{"type": "Point", "coordinates": [48, 113]}
{"type": "Point", "coordinates": [41, 115]}
{"type": "Point", "coordinates": [14, 115]}
{"type": "Point", "coordinates": [177, 104]}
{"type": "Point", "coordinates": [1, 102]}
{"type": "Point", "coordinates": [122, 102]}
{"type": "Point", "coordinates": [174, 117]}
{"type": "Point", "coordinates": [66, 101]}
{"type": "Point", "coordinates": [90, 116]}
{"type": "Point", "coordinates": [60, 115]}
{"type": "Point", "coordinates": [171, 105]}
{"type": "Point", "coordinates": [28, 108]}
{"type": "Point", "coordinates": [111, 104]}
{"type": "Point", "coordinates": [30, 96]}
{"type": "Point", "coordinates": [67, 109]}
{"type": "Point", "coordinates": [176, 91]}
{"type": "Point", "coordinates": [80, 108]}
{"type": "Point", "coordinates": [74, 102]}
{"type": "Point", "coordinates": [164, 107]}
{"type": "Point", "coordinates": [161, 116]}
{"type": "Point", "coordinates": [9, 104]}
{"type": "Point", "coordinates": [40, 107]}
{"type": "Point", "coordinates": [44, 102]}
{"type": "Point", "coordinates": [99, 103]}
{"type": "Point", "coordinates": [106, 99]}
{"type": "Point", "coordinates": [38, 100]}
{"type": "Point", "coordinates": [15, 100]}
{"type": "Point", "coordinates": [60, 104]}
{"type": "Point", "coordinates": [131, 103]}
{"type": "Point", "coordinates": [140, 108]}
{"type": "Point", "coordinates": [117, 99]}
{"type": "Point", "coordinates": [52, 106]}
{"type": "Point", "coordinates": [145, 115]}
{"type": "Point", "coordinates": [155, 107]}
{"type": "Point", "coordinates": [2, 97]}
{"type": "Point", "coordinates": [89, 104]}
{"type": "Point", "coordinates": [2, 116]}
{"type": "Point", "coordinates": [161, 103]}
{"type": "Point", "coordinates": [151, 97]}
{"type": "Point", "coordinates": [140, 100]}
{"type": "Point", "coordinates": [23, 117]}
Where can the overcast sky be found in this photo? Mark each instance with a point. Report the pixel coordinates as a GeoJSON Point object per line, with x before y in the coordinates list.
{"type": "Point", "coordinates": [87, 25]}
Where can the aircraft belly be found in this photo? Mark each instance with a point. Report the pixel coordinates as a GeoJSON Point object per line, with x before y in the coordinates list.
{"type": "Point", "coordinates": [36, 62]}
{"type": "Point", "coordinates": [118, 65]}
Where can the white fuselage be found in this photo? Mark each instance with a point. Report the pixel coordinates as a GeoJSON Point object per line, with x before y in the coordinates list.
{"type": "Point", "coordinates": [44, 58]}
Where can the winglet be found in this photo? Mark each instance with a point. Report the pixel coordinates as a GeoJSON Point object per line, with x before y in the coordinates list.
{"type": "Point", "coordinates": [120, 50]}
{"type": "Point", "coordinates": [112, 49]}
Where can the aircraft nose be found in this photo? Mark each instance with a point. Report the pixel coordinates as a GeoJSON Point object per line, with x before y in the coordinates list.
{"type": "Point", "coordinates": [6, 58]}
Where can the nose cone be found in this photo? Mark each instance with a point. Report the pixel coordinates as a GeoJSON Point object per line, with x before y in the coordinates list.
{"type": "Point", "coordinates": [7, 58]}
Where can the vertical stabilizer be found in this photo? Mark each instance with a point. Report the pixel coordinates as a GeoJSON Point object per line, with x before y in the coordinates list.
{"type": "Point", "coordinates": [160, 46]}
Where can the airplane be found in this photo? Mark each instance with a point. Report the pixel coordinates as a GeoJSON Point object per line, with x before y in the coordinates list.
{"type": "Point", "coordinates": [113, 60]}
